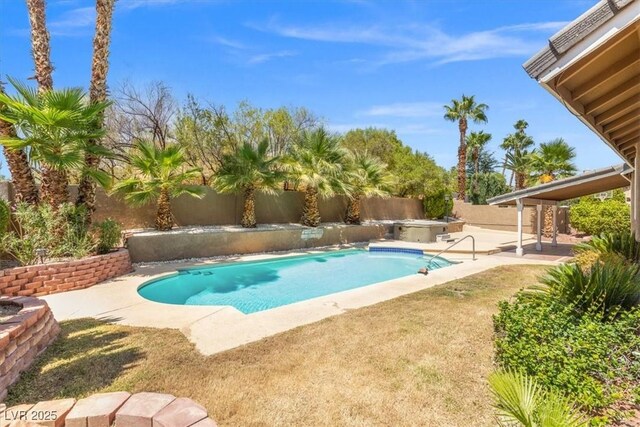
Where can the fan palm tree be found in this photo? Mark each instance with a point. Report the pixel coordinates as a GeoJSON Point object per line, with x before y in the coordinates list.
{"type": "Point", "coordinates": [24, 183]}
{"type": "Point", "coordinates": [367, 177]}
{"type": "Point", "coordinates": [40, 47]}
{"type": "Point", "coordinates": [318, 163]}
{"type": "Point", "coordinates": [476, 141]}
{"type": "Point", "coordinates": [462, 111]}
{"type": "Point", "coordinates": [519, 163]}
{"type": "Point", "coordinates": [249, 169]}
{"type": "Point", "coordinates": [159, 176]}
{"type": "Point", "coordinates": [552, 160]}
{"type": "Point", "coordinates": [97, 94]}
{"type": "Point", "coordinates": [517, 145]}
{"type": "Point", "coordinates": [55, 126]}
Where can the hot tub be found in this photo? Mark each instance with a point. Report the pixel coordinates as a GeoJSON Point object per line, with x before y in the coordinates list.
{"type": "Point", "coordinates": [419, 231]}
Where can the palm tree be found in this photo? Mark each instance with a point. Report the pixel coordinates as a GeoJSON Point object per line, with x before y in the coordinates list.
{"type": "Point", "coordinates": [552, 160]}
{"type": "Point", "coordinates": [249, 169]}
{"type": "Point", "coordinates": [519, 163]}
{"type": "Point", "coordinates": [97, 94]}
{"type": "Point", "coordinates": [517, 144]}
{"type": "Point", "coordinates": [462, 111]}
{"type": "Point", "coordinates": [476, 141]}
{"type": "Point", "coordinates": [24, 183]}
{"type": "Point", "coordinates": [40, 47]}
{"type": "Point", "coordinates": [318, 163]}
{"type": "Point", "coordinates": [368, 177]}
{"type": "Point", "coordinates": [159, 177]}
{"type": "Point", "coordinates": [56, 126]}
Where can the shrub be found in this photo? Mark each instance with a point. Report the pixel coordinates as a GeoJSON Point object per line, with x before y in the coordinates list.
{"type": "Point", "coordinates": [592, 216]}
{"type": "Point", "coordinates": [605, 288]}
{"type": "Point", "coordinates": [520, 400]}
{"type": "Point", "coordinates": [107, 235]}
{"type": "Point", "coordinates": [61, 233]}
{"type": "Point", "coordinates": [489, 185]}
{"type": "Point", "coordinates": [5, 216]}
{"type": "Point", "coordinates": [593, 362]}
{"type": "Point", "coordinates": [435, 205]}
{"type": "Point", "coordinates": [622, 243]}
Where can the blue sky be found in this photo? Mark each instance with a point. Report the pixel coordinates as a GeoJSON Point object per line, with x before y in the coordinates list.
{"type": "Point", "coordinates": [355, 63]}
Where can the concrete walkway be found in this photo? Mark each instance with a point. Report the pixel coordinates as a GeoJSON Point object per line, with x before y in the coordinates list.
{"type": "Point", "coordinates": [217, 328]}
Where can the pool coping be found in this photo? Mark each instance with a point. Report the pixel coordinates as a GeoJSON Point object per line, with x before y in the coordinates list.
{"type": "Point", "coordinates": [218, 328]}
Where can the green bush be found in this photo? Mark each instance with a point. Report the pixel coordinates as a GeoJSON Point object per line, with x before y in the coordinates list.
{"type": "Point", "coordinates": [593, 362]}
{"type": "Point", "coordinates": [61, 234]}
{"type": "Point", "coordinates": [489, 185]}
{"type": "Point", "coordinates": [107, 235]}
{"type": "Point", "coordinates": [592, 216]}
{"type": "Point", "coordinates": [622, 243]}
{"type": "Point", "coordinates": [606, 288]}
{"type": "Point", "coordinates": [435, 205]}
{"type": "Point", "coordinates": [5, 216]}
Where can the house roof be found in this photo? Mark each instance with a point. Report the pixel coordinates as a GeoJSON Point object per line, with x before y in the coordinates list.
{"type": "Point", "coordinates": [591, 182]}
{"type": "Point", "coordinates": [592, 66]}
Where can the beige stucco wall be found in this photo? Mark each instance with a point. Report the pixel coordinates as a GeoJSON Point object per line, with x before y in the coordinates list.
{"type": "Point", "coordinates": [503, 218]}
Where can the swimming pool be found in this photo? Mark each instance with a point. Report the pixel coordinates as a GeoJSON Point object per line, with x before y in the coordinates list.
{"type": "Point", "coordinates": [260, 285]}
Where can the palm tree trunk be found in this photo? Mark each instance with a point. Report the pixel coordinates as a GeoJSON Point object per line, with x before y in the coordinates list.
{"type": "Point", "coordinates": [97, 93]}
{"type": "Point", "coordinates": [249, 213]}
{"type": "Point", "coordinates": [476, 168]}
{"type": "Point", "coordinates": [54, 187]}
{"type": "Point", "coordinates": [23, 182]}
{"type": "Point", "coordinates": [310, 211]}
{"type": "Point", "coordinates": [547, 231]}
{"type": "Point", "coordinates": [164, 217]}
{"type": "Point", "coordinates": [520, 179]}
{"type": "Point", "coordinates": [462, 160]}
{"type": "Point", "coordinates": [40, 47]}
{"type": "Point", "coordinates": [353, 210]}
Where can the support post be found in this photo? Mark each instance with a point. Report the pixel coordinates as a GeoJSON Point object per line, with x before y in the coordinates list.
{"type": "Point", "coordinates": [539, 228]}
{"type": "Point", "coordinates": [554, 240]}
{"type": "Point", "coordinates": [636, 187]}
{"type": "Point", "coordinates": [519, 206]}
{"type": "Point", "coordinates": [633, 204]}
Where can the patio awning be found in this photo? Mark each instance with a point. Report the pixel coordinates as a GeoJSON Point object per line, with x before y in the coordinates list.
{"type": "Point", "coordinates": [592, 182]}
{"type": "Point", "coordinates": [592, 66]}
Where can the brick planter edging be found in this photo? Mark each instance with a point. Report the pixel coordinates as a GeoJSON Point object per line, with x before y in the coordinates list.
{"type": "Point", "coordinates": [101, 410]}
{"type": "Point", "coordinates": [23, 337]}
{"type": "Point", "coordinates": [45, 279]}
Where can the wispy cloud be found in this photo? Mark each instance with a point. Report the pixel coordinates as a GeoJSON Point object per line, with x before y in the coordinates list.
{"type": "Point", "coordinates": [134, 4]}
{"type": "Point", "coordinates": [405, 109]}
{"type": "Point", "coordinates": [223, 41]}
{"type": "Point", "coordinates": [73, 22]}
{"type": "Point", "coordinates": [414, 42]}
{"type": "Point", "coordinates": [265, 57]}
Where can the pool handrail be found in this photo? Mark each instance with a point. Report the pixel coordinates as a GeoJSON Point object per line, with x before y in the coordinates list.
{"type": "Point", "coordinates": [473, 247]}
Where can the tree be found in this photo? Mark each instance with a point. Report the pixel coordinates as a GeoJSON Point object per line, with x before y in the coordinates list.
{"type": "Point", "coordinates": [490, 184]}
{"type": "Point", "coordinates": [249, 169]}
{"type": "Point", "coordinates": [516, 146]}
{"type": "Point", "coordinates": [367, 177]}
{"type": "Point", "coordinates": [40, 47]}
{"type": "Point", "coordinates": [519, 163]}
{"type": "Point", "coordinates": [552, 160]}
{"type": "Point", "coordinates": [317, 162]}
{"type": "Point", "coordinates": [159, 176]}
{"type": "Point", "coordinates": [462, 111]}
{"type": "Point", "coordinates": [97, 94]}
{"type": "Point", "coordinates": [56, 126]}
{"type": "Point", "coordinates": [381, 143]}
{"type": "Point", "coordinates": [24, 183]}
{"type": "Point", "coordinates": [476, 141]}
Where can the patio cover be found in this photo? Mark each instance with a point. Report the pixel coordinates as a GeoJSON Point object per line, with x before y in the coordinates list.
{"type": "Point", "coordinates": [552, 193]}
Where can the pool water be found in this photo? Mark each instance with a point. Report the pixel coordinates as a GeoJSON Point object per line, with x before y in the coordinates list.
{"type": "Point", "coordinates": [261, 285]}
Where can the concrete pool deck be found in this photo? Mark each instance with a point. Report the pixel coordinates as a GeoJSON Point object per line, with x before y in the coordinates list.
{"type": "Point", "coordinates": [217, 328]}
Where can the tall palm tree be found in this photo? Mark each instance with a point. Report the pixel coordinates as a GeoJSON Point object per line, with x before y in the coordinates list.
{"type": "Point", "coordinates": [476, 141]}
{"type": "Point", "coordinates": [318, 163]}
{"type": "Point", "coordinates": [517, 144]}
{"type": "Point", "coordinates": [519, 163]}
{"type": "Point", "coordinates": [462, 111]}
{"type": "Point", "coordinates": [40, 47]}
{"type": "Point", "coordinates": [56, 126]}
{"type": "Point", "coordinates": [368, 177]}
{"type": "Point", "coordinates": [249, 169]}
{"type": "Point", "coordinates": [159, 176]}
{"type": "Point", "coordinates": [552, 160]}
{"type": "Point", "coordinates": [24, 183]}
{"type": "Point", "coordinates": [97, 94]}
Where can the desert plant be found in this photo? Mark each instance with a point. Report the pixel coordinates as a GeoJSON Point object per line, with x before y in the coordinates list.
{"type": "Point", "coordinates": [367, 177]}
{"type": "Point", "coordinates": [521, 401]}
{"type": "Point", "coordinates": [623, 244]}
{"type": "Point", "coordinates": [107, 235]}
{"type": "Point", "coordinates": [249, 169]}
{"type": "Point", "coordinates": [318, 163]}
{"type": "Point", "coordinates": [159, 177]}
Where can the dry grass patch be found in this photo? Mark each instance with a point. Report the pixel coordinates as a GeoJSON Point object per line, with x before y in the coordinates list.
{"type": "Point", "coordinates": [421, 359]}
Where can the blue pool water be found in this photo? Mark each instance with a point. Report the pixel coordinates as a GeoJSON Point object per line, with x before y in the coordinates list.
{"type": "Point", "coordinates": [261, 285]}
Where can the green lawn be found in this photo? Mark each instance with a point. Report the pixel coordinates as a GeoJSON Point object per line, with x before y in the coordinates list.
{"type": "Point", "coordinates": [421, 359]}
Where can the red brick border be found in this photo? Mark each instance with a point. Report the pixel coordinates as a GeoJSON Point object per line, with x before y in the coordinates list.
{"type": "Point", "coordinates": [23, 337]}
{"type": "Point", "coordinates": [45, 279]}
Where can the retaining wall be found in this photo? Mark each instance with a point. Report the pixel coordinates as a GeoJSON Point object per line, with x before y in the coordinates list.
{"type": "Point", "coordinates": [51, 278]}
{"type": "Point", "coordinates": [23, 337]}
{"type": "Point", "coordinates": [208, 242]}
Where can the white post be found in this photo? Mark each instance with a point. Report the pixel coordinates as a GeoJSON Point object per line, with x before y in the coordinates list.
{"type": "Point", "coordinates": [554, 241]}
{"type": "Point", "coordinates": [539, 218]}
{"type": "Point", "coordinates": [635, 201]}
{"type": "Point", "coordinates": [519, 206]}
